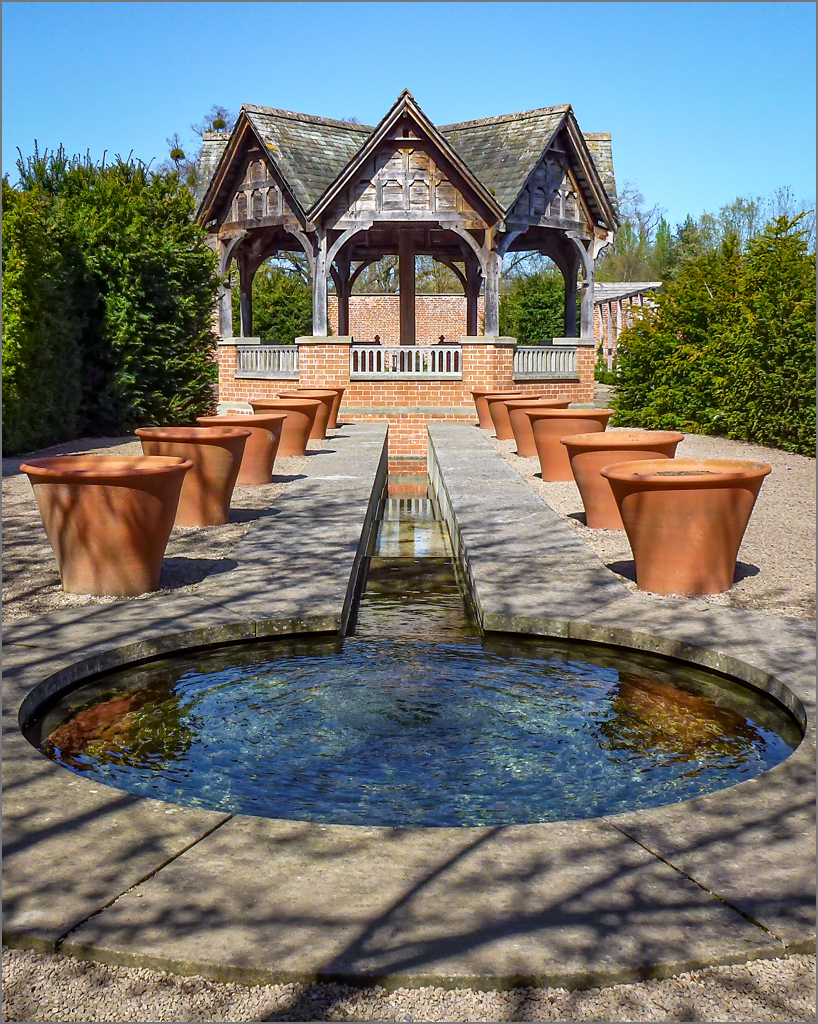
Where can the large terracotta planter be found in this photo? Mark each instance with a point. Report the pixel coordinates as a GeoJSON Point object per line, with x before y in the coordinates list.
{"type": "Point", "coordinates": [481, 405]}
{"type": "Point", "coordinates": [322, 416]}
{"type": "Point", "coordinates": [498, 410]}
{"type": "Point", "coordinates": [262, 444]}
{"type": "Point", "coordinates": [108, 518]}
{"type": "Point", "coordinates": [685, 519]}
{"type": "Point", "coordinates": [550, 426]}
{"type": "Point", "coordinates": [336, 402]}
{"type": "Point", "coordinates": [301, 413]}
{"type": "Point", "coordinates": [521, 424]}
{"type": "Point", "coordinates": [499, 417]}
{"type": "Point", "coordinates": [589, 454]}
{"type": "Point", "coordinates": [216, 455]}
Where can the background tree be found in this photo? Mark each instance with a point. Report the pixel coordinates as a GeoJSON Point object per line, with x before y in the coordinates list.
{"type": "Point", "coordinates": [282, 304]}
{"type": "Point", "coordinates": [123, 285]}
{"type": "Point", "coordinates": [730, 346]}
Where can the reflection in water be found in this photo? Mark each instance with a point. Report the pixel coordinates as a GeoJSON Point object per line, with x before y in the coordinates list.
{"type": "Point", "coordinates": [417, 720]}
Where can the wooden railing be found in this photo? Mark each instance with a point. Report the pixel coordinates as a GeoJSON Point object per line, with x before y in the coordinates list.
{"type": "Point", "coordinates": [405, 362]}
{"type": "Point", "coordinates": [538, 362]}
{"type": "Point", "coordinates": [279, 362]}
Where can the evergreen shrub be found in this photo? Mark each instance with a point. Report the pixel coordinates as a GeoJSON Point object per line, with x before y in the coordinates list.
{"type": "Point", "coordinates": [730, 347]}
{"type": "Point", "coordinates": [109, 258]}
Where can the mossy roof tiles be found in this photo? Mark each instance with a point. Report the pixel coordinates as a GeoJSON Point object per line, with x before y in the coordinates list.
{"type": "Point", "coordinates": [310, 151]}
{"type": "Point", "coordinates": [500, 151]}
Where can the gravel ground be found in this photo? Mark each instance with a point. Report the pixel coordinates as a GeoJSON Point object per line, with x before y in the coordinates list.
{"type": "Point", "coordinates": [776, 562]}
{"type": "Point", "coordinates": [31, 582]}
{"type": "Point", "coordinates": [41, 987]}
{"type": "Point", "coordinates": [777, 576]}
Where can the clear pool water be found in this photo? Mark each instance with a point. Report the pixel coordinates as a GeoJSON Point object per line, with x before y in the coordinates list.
{"type": "Point", "coordinates": [416, 721]}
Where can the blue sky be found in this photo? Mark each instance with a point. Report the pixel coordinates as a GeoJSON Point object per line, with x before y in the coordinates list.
{"type": "Point", "coordinates": [705, 101]}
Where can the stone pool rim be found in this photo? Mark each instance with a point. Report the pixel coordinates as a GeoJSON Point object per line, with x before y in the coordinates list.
{"type": "Point", "coordinates": [143, 632]}
{"type": "Point", "coordinates": [66, 681]}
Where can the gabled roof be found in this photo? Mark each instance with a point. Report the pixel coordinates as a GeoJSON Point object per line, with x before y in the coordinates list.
{"type": "Point", "coordinates": [310, 151]}
{"type": "Point", "coordinates": [610, 291]}
{"type": "Point", "coordinates": [406, 105]}
{"type": "Point", "coordinates": [316, 156]}
{"type": "Point", "coordinates": [503, 151]}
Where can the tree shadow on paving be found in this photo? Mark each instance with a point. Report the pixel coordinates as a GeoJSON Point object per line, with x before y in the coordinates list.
{"type": "Point", "coordinates": [627, 568]}
{"type": "Point", "coordinates": [623, 904]}
{"type": "Point", "coordinates": [183, 572]}
{"type": "Point", "coordinates": [478, 902]}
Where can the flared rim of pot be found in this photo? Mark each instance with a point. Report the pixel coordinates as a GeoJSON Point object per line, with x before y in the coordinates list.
{"type": "Point", "coordinates": [283, 403]}
{"type": "Point", "coordinates": [494, 393]}
{"type": "Point", "coordinates": [686, 472]}
{"type": "Point", "coordinates": [195, 434]}
{"type": "Point", "coordinates": [250, 418]}
{"type": "Point", "coordinates": [507, 396]}
{"type": "Point", "coordinates": [622, 439]}
{"type": "Point", "coordinates": [308, 392]}
{"type": "Point", "coordinates": [95, 467]}
{"type": "Point", "coordinates": [544, 403]}
{"type": "Point", "coordinates": [538, 413]}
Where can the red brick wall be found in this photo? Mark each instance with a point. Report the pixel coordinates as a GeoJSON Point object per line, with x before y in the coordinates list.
{"type": "Point", "coordinates": [380, 314]}
{"type": "Point", "coordinates": [407, 405]}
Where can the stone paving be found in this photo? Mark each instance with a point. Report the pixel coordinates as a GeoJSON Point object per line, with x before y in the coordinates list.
{"type": "Point", "coordinates": [96, 873]}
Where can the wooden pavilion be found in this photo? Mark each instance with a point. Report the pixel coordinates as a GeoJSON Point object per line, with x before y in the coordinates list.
{"type": "Point", "coordinates": [466, 194]}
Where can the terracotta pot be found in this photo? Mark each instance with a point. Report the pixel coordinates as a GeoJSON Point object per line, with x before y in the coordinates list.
{"type": "Point", "coordinates": [108, 518]}
{"type": "Point", "coordinates": [336, 402]}
{"type": "Point", "coordinates": [591, 453]}
{"type": "Point", "coordinates": [480, 403]}
{"type": "Point", "coordinates": [685, 519]}
{"type": "Point", "coordinates": [499, 417]}
{"type": "Point", "coordinates": [301, 413]}
{"type": "Point", "coordinates": [262, 444]}
{"type": "Point", "coordinates": [216, 455]}
{"type": "Point", "coordinates": [521, 424]}
{"type": "Point", "coordinates": [325, 397]}
{"type": "Point", "coordinates": [550, 426]}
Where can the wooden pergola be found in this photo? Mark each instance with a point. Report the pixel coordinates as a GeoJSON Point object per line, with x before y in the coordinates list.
{"type": "Point", "coordinates": [346, 195]}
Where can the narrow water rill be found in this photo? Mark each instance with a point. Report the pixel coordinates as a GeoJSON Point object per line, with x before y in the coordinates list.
{"type": "Point", "coordinates": [416, 719]}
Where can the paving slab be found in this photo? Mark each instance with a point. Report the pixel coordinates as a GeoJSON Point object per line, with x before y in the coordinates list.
{"type": "Point", "coordinates": [71, 845]}
{"type": "Point", "coordinates": [269, 901]}
{"type": "Point", "coordinates": [752, 845]}
{"type": "Point", "coordinates": [717, 880]}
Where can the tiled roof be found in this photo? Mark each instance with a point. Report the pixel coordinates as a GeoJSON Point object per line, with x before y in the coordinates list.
{"type": "Point", "coordinates": [610, 291]}
{"type": "Point", "coordinates": [502, 151]}
{"type": "Point", "coordinates": [599, 146]}
{"type": "Point", "coordinates": [311, 151]}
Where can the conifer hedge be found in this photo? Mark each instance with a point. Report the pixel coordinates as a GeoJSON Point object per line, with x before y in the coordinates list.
{"type": "Point", "coordinates": [730, 347]}
{"type": "Point", "coordinates": [108, 294]}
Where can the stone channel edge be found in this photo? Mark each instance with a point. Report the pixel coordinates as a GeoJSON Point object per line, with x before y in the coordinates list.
{"type": "Point", "coordinates": [722, 879]}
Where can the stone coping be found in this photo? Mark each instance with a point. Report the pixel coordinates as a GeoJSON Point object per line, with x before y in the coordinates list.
{"type": "Point", "coordinates": [99, 874]}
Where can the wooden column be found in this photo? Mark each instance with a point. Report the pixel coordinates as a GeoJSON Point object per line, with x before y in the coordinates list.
{"type": "Point", "coordinates": [320, 275]}
{"type": "Point", "coordinates": [494, 265]}
{"type": "Point", "coordinates": [474, 278]}
{"type": "Point", "coordinates": [406, 258]}
{"type": "Point", "coordinates": [609, 332]}
{"type": "Point", "coordinates": [570, 314]}
{"type": "Point", "coordinates": [586, 329]}
{"type": "Point", "coordinates": [224, 300]}
{"type": "Point", "coordinates": [246, 275]}
{"type": "Point", "coordinates": [343, 287]}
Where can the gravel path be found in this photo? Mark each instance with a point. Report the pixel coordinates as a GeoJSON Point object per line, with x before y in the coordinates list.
{"type": "Point", "coordinates": [777, 576]}
{"type": "Point", "coordinates": [31, 582]}
{"type": "Point", "coordinates": [776, 562]}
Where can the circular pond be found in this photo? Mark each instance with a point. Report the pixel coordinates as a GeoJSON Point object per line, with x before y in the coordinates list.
{"type": "Point", "coordinates": [414, 731]}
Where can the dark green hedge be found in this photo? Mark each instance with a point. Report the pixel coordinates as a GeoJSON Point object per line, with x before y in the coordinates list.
{"type": "Point", "coordinates": [108, 293]}
{"type": "Point", "coordinates": [730, 349]}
